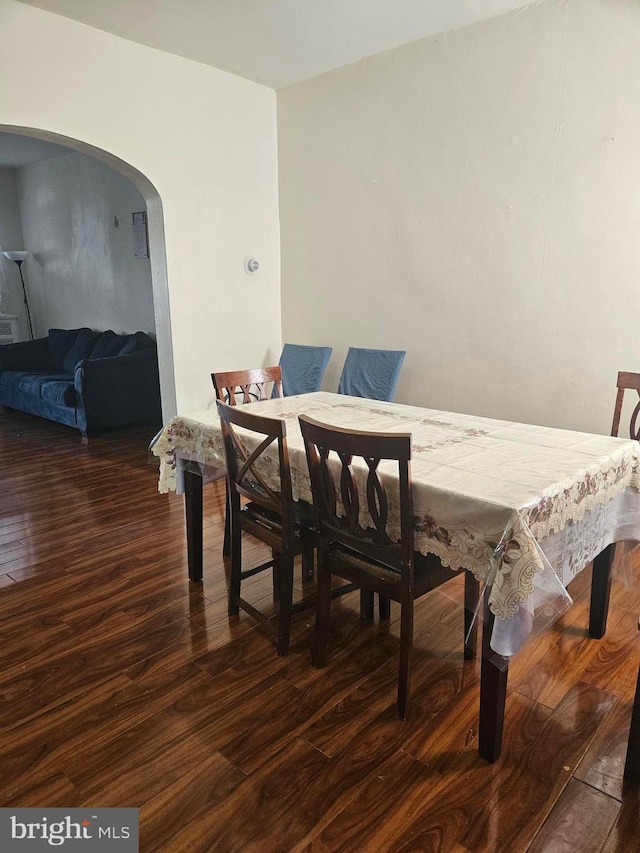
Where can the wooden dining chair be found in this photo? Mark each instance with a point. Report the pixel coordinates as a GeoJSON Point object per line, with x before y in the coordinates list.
{"type": "Point", "coordinates": [269, 514]}
{"type": "Point", "coordinates": [248, 386]}
{"type": "Point", "coordinates": [370, 557]}
{"type": "Point", "coordinates": [627, 382]}
{"type": "Point", "coordinates": [371, 373]}
{"type": "Point", "coordinates": [630, 382]}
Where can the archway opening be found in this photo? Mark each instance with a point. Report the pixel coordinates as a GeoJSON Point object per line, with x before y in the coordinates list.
{"type": "Point", "coordinates": [156, 241]}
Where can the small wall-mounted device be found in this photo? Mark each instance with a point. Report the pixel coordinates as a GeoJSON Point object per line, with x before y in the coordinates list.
{"type": "Point", "coordinates": [250, 265]}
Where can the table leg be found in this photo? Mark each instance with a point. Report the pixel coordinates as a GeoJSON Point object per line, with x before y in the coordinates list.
{"type": "Point", "coordinates": [193, 517]}
{"type": "Point", "coordinates": [494, 672]}
{"type": "Point", "coordinates": [600, 588]}
{"type": "Point", "coordinates": [471, 598]}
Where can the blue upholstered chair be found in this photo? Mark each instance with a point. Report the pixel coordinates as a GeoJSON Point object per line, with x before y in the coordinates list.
{"type": "Point", "coordinates": [371, 373]}
{"type": "Point", "coordinates": [303, 368]}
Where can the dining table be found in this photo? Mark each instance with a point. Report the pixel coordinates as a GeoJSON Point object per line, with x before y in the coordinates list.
{"type": "Point", "coordinates": [522, 508]}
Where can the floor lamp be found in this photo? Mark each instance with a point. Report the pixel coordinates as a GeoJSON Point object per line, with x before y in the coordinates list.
{"type": "Point", "coordinates": [18, 258]}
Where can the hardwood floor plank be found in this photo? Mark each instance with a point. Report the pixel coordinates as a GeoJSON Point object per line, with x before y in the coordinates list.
{"type": "Point", "coordinates": [581, 819]}
{"type": "Point", "coordinates": [31, 747]}
{"type": "Point", "coordinates": [53, 679]}
{"type": "Point", "coordinates": [374, 820]}
{"type": "Point", "coordinates": [614, 667]}
{"type": "Point", "coordinates": [567, 659]}
{"type": "Point", "coordinates": [624, 837]}
{"type": "Point", "coordinates": [435, 681]}
{"type": "Point", "coordinates": [603, 765]}
{"type": "Point", "coordinates": [56, 791]}
{"type": "Point", "coordinates": [263, 812]}
{"type": "Point", "coordinates": [542, 775]}
{"type": "Point", "coordinates": [452, 796]}
{"type": "Point", "coordinates": [170, 811]}
{"type": "Point", "coordinates": [170, 731]}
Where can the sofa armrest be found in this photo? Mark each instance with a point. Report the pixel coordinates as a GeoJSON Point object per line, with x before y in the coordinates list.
{"type": "Point", "coordinates": [25, 355]}
{"type": "Point", "coordinates": [119, 390]}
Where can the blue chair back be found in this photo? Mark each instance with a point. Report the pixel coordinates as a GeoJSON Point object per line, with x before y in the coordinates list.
{"type": "Point", "coordinates": [371, 373]}
{"type": "Point", "coordinates": [303, 368]}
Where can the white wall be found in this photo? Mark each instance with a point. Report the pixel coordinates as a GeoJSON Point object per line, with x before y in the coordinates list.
{"type": "Point", "coordinates": [205, 139]}
{"type": "Point", "coordinates": [10, 238]}
{"type": "Point", "coordinates": [83, 271]}
{"type": "Point", "coordinates": [474, 198]}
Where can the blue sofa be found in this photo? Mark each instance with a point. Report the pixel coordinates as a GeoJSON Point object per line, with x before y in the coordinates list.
{"type": "Point", "coordinates": [89, 380]}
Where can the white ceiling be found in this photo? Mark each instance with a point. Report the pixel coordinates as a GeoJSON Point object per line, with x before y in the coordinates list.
{"type": "Point", "coordinates": [276, 42]}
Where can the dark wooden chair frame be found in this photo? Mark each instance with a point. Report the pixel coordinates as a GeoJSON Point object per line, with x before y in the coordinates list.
{"type": "Point", "coordinates": [627, 382]}
{"type": "Point", "coordinates": [268, 516]}
{"type": "Point", "coordinates": [630, 382]}
{"type": "Point", "coordinates": [252, 385]}
{"type": "Point", "coordinates": [370, 558]}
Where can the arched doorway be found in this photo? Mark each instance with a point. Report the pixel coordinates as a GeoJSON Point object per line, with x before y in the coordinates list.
{"type": "Point", "coordinates": [155, 222]}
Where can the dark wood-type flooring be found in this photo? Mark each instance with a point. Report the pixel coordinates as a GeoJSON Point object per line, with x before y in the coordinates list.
{"type": "Point", "coordinates": [123, 685]}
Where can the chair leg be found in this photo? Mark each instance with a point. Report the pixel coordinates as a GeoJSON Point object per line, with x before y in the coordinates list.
{"type": "Point", "coordinates": [226, 545]}
{"type": "Point", "coordinates": [384, 607]}
{"type": "Point", "coordinates": [406, 644]}
{"type": "Point", "coordinates": [276, 571]}
{"type": "Point", "coordinates": [285, 570]}
{"type": "Point", "coordinates": [236, 569]}
{"type": "Point", "coordinates": [366, 605]}
{"type": "Point", "coordinates": [323, 616]}
{"type": "Point", "coordinates": [471, 615]}
{"type": "Point", "coordinates": [632, 762]}
{"type": "Point", "coordinates": [307, 565]}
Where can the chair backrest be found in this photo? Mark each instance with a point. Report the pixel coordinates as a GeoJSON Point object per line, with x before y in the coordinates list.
{"type": "Point", "coordinates": [371, 373]}
{"type": "Point", "coordinates": [248, 385]}
{"type": "Point", "coordinates": [303, 368]}
{"type": "Point", "coordinates": [630, 381]}
{"type": "Point", "coordinates": [247, 438]}
{"type": "Point", "coordinates": [361, 489]}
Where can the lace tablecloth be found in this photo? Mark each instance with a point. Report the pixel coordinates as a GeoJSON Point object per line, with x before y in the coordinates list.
{"type": "Point", "coordinates": [523, 507]}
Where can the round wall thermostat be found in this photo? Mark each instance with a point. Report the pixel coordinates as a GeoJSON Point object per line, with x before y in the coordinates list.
{"type": "Point", "coordinates": [251, 265]}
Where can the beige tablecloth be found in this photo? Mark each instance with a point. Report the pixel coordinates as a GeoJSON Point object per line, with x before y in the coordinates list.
{"type": "Point", "coordinates": [523, 507]}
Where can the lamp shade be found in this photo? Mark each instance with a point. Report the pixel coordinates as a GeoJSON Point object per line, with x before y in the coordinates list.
{"type": "Point", "coordinates": [15, 256]}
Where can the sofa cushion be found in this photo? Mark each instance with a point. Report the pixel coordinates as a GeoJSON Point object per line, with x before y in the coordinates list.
{"type": "Point", "coordinates": [59, 391]}
{"type": "Point", "coordinates": [30, 384]}
{"type": "Point", "coordinates": [108, 344]}
{"type": "Point", "coordinates": [60, 342]}
{"type": "Point", "coordinates": [136, 342]}
{"type": "Point", "coordinates": [83, 344]}
{"type": "Point", "coordinates": [10, 380]}
{"type": "Point", "coordinates": [35, 385]}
